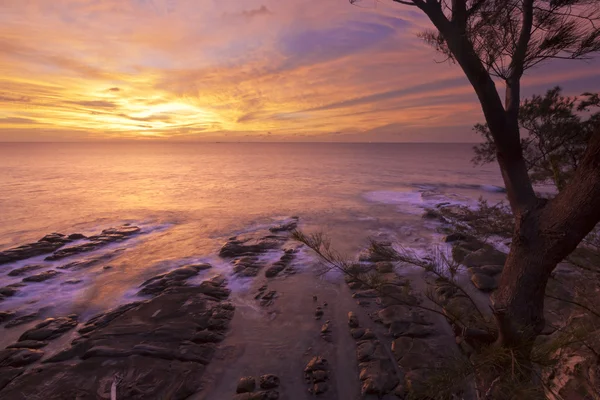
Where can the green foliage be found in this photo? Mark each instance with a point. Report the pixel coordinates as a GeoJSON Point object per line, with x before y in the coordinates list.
{"type": "Point", "coordinates": [556, 131]}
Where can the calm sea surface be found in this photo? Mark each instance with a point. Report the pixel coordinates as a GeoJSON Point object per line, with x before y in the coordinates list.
{"type": "Point", "coordinates": [189, 198]}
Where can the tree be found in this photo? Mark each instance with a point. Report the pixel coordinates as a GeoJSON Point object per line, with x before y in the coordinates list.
{"type": "Point", "coordinates": [502, 39]}
{"type": "Point", "coordinates": [555, 136]}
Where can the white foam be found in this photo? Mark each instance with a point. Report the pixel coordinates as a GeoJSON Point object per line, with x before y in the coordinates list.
{"type": "Point", "coordinates": [415, 202]}
{"type": "Point", "coordinates": [493, 188]}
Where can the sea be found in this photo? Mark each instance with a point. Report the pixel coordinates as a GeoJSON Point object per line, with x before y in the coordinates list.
{"type": "Point", "coordinates": [189, 198]}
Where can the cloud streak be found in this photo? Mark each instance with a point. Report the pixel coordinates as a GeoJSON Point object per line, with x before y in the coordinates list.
{"type": "Point", "coordinates": [264, 70]}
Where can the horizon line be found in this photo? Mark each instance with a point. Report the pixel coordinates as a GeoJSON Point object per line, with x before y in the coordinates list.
{"type": "Point", "coordinates": [215, 142]}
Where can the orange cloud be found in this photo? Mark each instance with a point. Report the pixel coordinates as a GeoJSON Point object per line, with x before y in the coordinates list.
{"type": "Point", "coordinates": [261, 69]}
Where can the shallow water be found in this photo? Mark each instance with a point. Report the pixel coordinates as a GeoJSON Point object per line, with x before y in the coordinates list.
{"type": "Point", "coordinates": [189, 198]}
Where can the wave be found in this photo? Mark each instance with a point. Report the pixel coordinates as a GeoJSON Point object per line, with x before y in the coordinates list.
{"type": "Point", "coordinates": [415, 202]}
{"type": "Point", "coordinates": [471, 186]}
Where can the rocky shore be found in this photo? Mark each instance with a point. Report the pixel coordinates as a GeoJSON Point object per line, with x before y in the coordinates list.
{"type": "Point", "coordinates": [295, 332]}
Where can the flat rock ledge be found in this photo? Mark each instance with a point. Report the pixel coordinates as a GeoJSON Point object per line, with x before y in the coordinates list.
{"type": "Point", "coordinates": [55, 243]}
{"type": "Point", "coordinates": [153, 349]}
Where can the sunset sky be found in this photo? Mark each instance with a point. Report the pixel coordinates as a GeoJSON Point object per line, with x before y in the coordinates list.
{"type": "Point", "coordinates": [223, 70]}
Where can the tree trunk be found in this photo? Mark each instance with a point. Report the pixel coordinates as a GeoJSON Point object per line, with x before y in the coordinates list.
{"type": "Point", "coordinates": [543, 237]}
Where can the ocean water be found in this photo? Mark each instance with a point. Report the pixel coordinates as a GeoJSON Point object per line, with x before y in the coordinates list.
{"type": "Point", "coordinates": [189, 198]}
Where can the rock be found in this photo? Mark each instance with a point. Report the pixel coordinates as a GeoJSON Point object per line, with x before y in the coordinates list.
{"type": "Point", "coordinates": [325, 328]}
{"type": "Point", "coordinates": [269, 381]}
{"type": "Point", "coordinates": [378, 377]}
{"type": "Point", "coordinates": [462, 248]}
{"type": "Point", "coordinates": [28, 344]}
{"type": "Point", "coordinates": [431, 214]}
{"type": "Point", "coordinates": [19, 357]}
{"type": "Point", "coordinates": [484, 256]}
{"type": "Point", "coordinates": [397, 293]}
{"type": "Point", "coordinates": [365, 350]}
{"type": "Point", "coordinates": [90, 261]}
{"type": "Point", "coordinates": [72, 282]}
{"type": "Point", "coordinates": [453, 237]}
{"type": "Point", "coordinates": [7, 374]}
{"type": "Point", "coordinates": [416, 381]}
{"type": "Point", "coordinates": [318, 313]}
{"type": "Point", "coordinates": [207, 336]}
{"type": "Point", "coordinates": [107, 236]}
{"type": "Point", "coordinates": [366, 294]}
{"type": "Point", "coordinates": [175, 278]}
{"type": "Point", "coordinates": [261, 395]}
{"type": "Point", "coordinates": [369, 255]}
{"type": "Point", "coordinates": [42, 276]}
{"type": "Point", "coordinates": [368, 335]}
{"type": "Point", "coordinates": [320, 376]}
{"type": "Point", "coordinates": [285, 227]}
{"type": "Point", "coordinates": [492, 270]}
{"type": "Point", "coordinates": [355, 285]}
{"type": "Point", "coordinates": [316, 364]}
{"type": "Point", "coordinates": [246, 384]}
{"type": "Point", "coordinates": [357, 333]}
{"type": "Point", "coordinates": [212, 290]}
{"type": "Point", "coordinates": [352, 320]}
{"type": "Point", "coordinates": [274, 270]}
{"type": "Point", "coordinates": [249, 247]}
{"type": "Point", "coordinates": [24, 319]}
{"type": "Point", "coordinates": [268, 298]}
{"type": "Point", "coordinates": [459, 253]}
{"type": "Point", "coordinates": [400, 391]}
{"type": "Point", "coordinates": [6, 316]}
{"type": "Point", "coordinates": [51, 328]}
{"type": "Point", "coordinates": [142, 378]}
{"type": "Point", "coordinates": [76, 236]}
{"type": "Point", "coordinates": [150, 344]}
{"type": "Point", "coordinates": [403, 314]}
{"type": "Point", "coordinates": [25, 270]}
{"type": "Point", "coordinates": [384, 267]}
{"type": "Point", "coordinates": [484, 282]}
{"type": "Point", "coordinates": [7, 291]}
{"type": "Point", "coordinates": [320, 388]}
{"type": "Point", "coordinates": [47, 244]}
{"type": "Point", "coordinates": [401, 328]}
{"type": "Point", "coordinates": [414, 353]}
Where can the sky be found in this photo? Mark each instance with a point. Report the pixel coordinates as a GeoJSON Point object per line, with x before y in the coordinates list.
{"type": "Point", "coordinates": [244, 70]}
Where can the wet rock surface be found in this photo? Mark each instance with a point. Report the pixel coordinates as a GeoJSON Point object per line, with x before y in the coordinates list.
{"type": "Point", "coordinates": [6, 316]}
{"type": "Point", "coordinates": [28, 344]}
{"type": "Point", "coordinates": [267, 385]}
{"type": "Point", "coordinates": [19, 357]}
{"type": "Point", "coordinates": [175, 278]}
{"type": "Point", "coordinates": [55, 243]}
{"type": "Point", "coordinates": [45, 245]}
{"type": "Point", "coordinates": [280, 265]}
{"type": "Point", "coordinates": [250, 246]}
{"type": "Point", "coordinates": [316, 375]}
{"type": "Point", "coordinates": [484, 282]}
{"type": "Point", "coordinates": [25, 270]}
{"type": "Point", "coordinates": [42, 276]}
{"type": "Point", "coordinates": [49, 329]}
{"type": "Point", "coordinates": [21, 319]}
{"type": "Point", "coordinates": [89, 262]}
{"type": "Point", "coordinates": [107, 236]}
{"type": "Point", "coordinates": [158, 348]}
{"type": "Point", "coordinates": [246, 384]}
{"type": "Point", "coordinates": [287, 226]}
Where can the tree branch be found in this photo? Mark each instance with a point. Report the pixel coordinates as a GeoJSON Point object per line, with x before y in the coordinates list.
{"type": "Point", "coordinates": [518, 60]}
